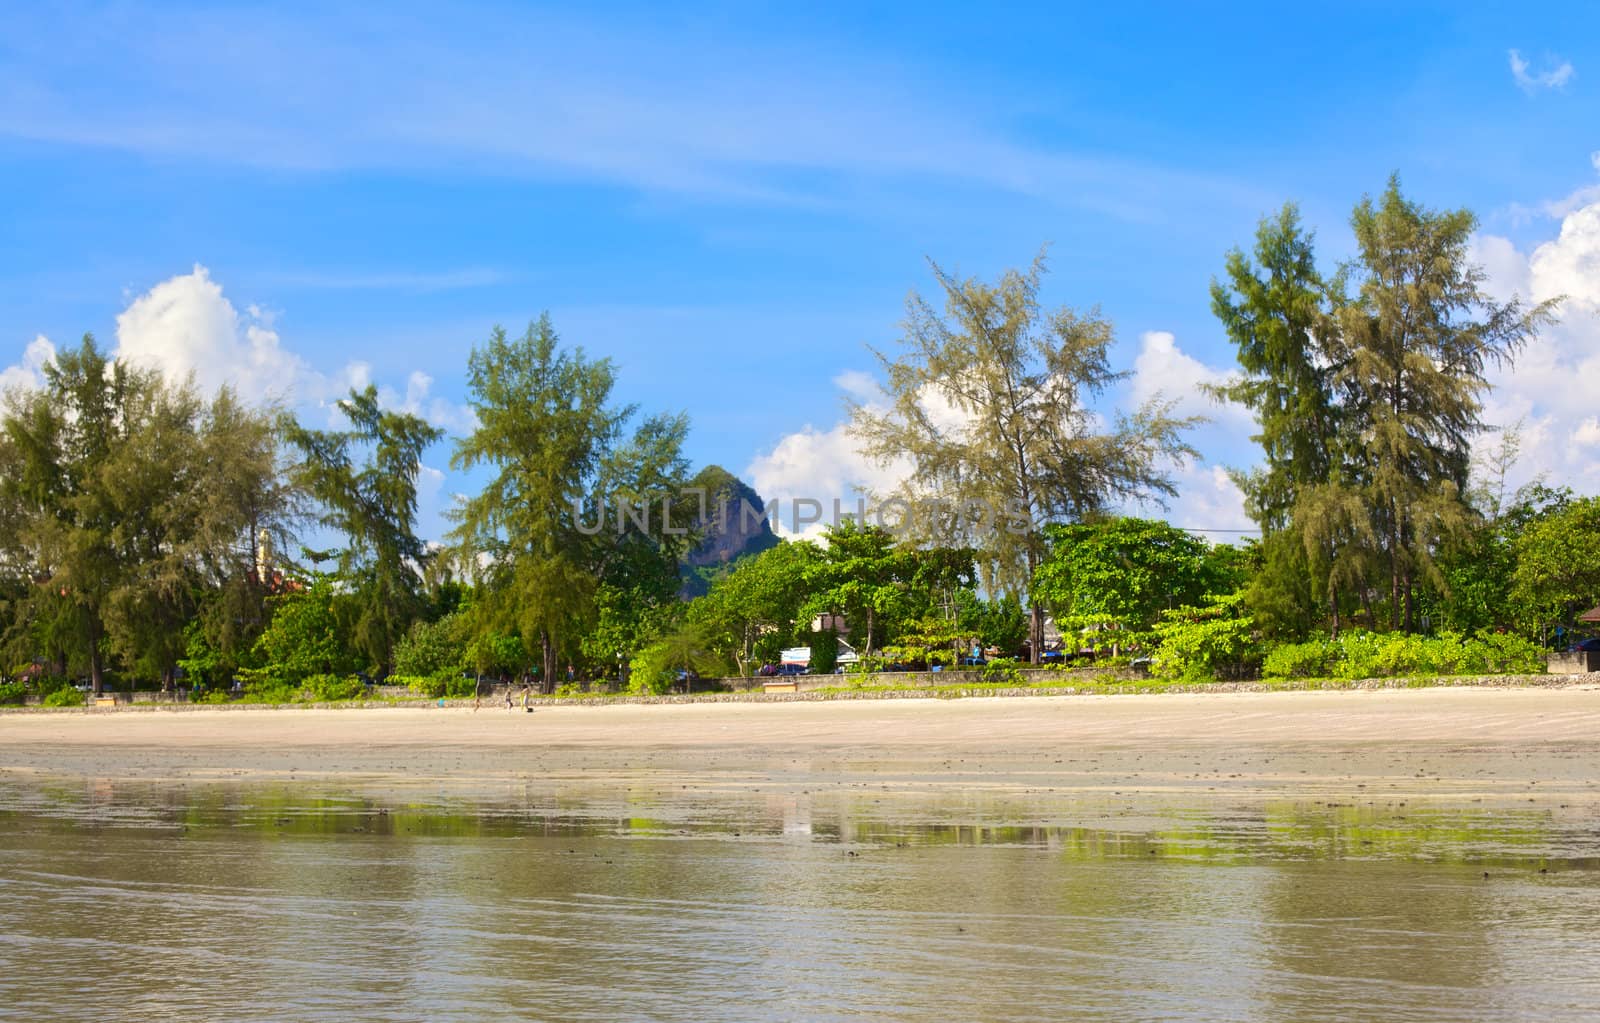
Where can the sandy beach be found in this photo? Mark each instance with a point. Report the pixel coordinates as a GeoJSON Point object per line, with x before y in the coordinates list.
{"type": "Point", "coordinates": [1466, 743]}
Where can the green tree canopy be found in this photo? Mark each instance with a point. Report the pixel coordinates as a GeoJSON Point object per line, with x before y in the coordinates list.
{"type": "Point", "coordinates": [1367, 389]}
{"type": "Point", "coordinates": [548, 529]}
{"type": "Point", "coordinates": [1126, 570]}
{"type": "Point", "coordinates": [375, 506]}
{"type": "Point", "coordinates": [130, 503]}
{"type": "Point", "coordinates": [991, 403]}
{"type": "Point", "coordinates": [1557, 575]}
{"type": "Point", "coordinates": [750, 613]}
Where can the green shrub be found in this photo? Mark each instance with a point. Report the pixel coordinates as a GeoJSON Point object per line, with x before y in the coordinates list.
{"type": "Point", "coordinates": [12, 692]}
{"type": "Point", "coordinates": [1001, 670]}
{"type": "Point", "coordinates": [651, 671]}
{"type": "Point", "coordinates": [867, 665]}
{"type": "Point", "coordinates": [270, 692]}
{"type": "Point", "coordinates": [1315, 658]}
{"type": "Point", "coordinates": [433, 649]}
{"type": "Point", "coordinates": [213, 696]}
{"type": "Point", "coordinates": [1500, 653]}
{"type": "Point", "coordinates": [824, 652]}
{"type": "Point", "coordinates": [445, 683]}
{"type": "Point", "coordinates": [334, 687]}
{"type": "Point", "coordinates": [47, 684]}
{"type": "Point", "coordinates": [68, 697]}
{"type": "Point", "coordinates": [1360, 654]}
{"type": "Point", "coordinates": [1210, 642]}
{"type": "Point", "coordinates": [428, 686]}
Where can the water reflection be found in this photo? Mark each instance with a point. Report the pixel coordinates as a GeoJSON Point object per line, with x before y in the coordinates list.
{"type": "Point", "coordinates": [639, 901]}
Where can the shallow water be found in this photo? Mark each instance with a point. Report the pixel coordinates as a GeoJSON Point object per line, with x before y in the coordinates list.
{"type": "Point", "coordinates": [151, 900]}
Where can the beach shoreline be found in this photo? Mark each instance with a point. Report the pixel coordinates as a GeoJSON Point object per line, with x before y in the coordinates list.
{"type": "Point", "coordinates": [1495, 744]}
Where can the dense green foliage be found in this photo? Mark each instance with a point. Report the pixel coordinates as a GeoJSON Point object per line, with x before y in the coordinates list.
{"type": "Point", "coordinates": [554, 532]}
{"type": "Point", "coordinates": [991, 402]}
{"type": "Point", "coordinates": [1127, 571]}
{"type": "Point", "coordinates": [131, 508]}
{"type": "Point", "coordinates": [1217, 640]}
{"type": "Point", "coordinates": [1557, 565]}
{"type": "Point", "coordinates": [1367, 388]}
{"type": "Point", "coordinates": [375, 507]}
{"type": "Point", "coordinates": [1357, 654]}
{"type": "Point", "coordinates": [143, 524]}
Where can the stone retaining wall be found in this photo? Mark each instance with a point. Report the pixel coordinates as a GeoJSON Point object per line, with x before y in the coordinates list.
{"type": "Point", "coordinates": [1131, 687]}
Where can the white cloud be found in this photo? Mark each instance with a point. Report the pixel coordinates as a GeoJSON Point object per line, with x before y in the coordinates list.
{"type": "Point", "coordinates": [185, 325]}
{"type": "Point", "coordinates": [1588, 433]}
{"type": "Point", "coordinates": [860, 385]}
{"type": "Point", "coordinates": [1570, 265]}
{"type": "Point", "coordinates": [1555, 76]}
{"type": "Point", "coordinates": [419, 401]}
{"type": "Point", "coordinates": [1506, 268]}
{"type": "Point", "coordinates": [825, 464]}
{"type": "Point", "coordinates": [1208, 502]}
{"type": "Point", "coordinates": [1556, 209]}
{"type": "Point", "coordinates": [1163, 370]}
{"type": "Point", "coordinates": [430, 486]}
{"type": "Point", "coordinates": [1545, 388]}
{"type": "Point", "coordinates": [29, 372]}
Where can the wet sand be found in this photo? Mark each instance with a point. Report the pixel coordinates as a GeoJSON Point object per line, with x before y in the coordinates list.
{"type": "Point", "coordinates": [1466, 744]}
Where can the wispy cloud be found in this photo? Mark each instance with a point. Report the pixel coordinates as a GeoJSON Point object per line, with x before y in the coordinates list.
{"type": "Point", "coordinates": [1556, 75]}
{"type": "Point", "coordinates": [724, 119]}
{"type": "Point", "coordinates": [1557, 209]}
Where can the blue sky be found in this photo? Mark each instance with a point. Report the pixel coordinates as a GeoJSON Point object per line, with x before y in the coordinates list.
{"type": "Point", "coordinates": [732, 201]}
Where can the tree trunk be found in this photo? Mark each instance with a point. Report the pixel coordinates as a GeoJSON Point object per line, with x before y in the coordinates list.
{"type": "Point", "coordinates": [1035, 633]}
{"type": "Point", "coordinates": [96, 672]}
{"type": "Point", "coordinates": [547, 684]}
{"type": "Point", "coordinates": [1035, 615]}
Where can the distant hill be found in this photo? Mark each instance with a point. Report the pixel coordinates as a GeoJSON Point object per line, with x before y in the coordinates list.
{"type": "Point", "coordinates": [731, 533]}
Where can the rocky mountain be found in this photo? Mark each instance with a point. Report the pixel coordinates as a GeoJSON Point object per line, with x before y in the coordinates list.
{"type": "Point", "coordinates": [733, 528]}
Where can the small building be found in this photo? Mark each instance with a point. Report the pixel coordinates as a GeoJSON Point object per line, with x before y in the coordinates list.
{"type": "Point", "coordinates": [1579, 660]}
{"type": "Point", "coordinates": [800, 656]}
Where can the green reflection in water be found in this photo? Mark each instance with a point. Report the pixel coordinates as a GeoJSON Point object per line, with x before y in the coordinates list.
{"type": "Point", "coordinates": [1217, 831]}
{"type": "Point", "coordinates": [283, 901]}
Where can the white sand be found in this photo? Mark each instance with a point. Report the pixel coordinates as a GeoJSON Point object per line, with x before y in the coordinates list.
{"type": "Point", "coordinates": [1493, 742]}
